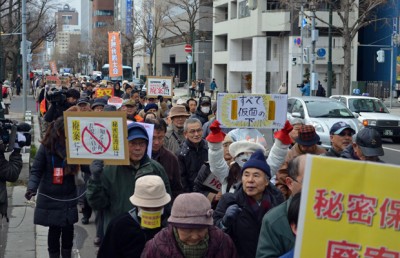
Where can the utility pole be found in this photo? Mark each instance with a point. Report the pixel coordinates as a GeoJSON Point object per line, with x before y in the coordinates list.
{"type": "Point", "coordinates": [24, 80]}
{"type": "Point", "coordinates": [330, 73]}
{"type": "Point", "coordinates": [314, 38]}
{"type": "Point", "coordinates": [301, 43]}
{"type": "Point", "coordinates": [192, 37]}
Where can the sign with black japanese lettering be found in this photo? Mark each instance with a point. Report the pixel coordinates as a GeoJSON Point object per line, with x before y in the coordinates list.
{"type": "Point", "coordinates": [96, 135]}
{"type": "Point", "coordinates": [159, 86]}
{"type": "Point", "coordinates": [237, 110]}
{"type": "Point", "coordinates": [353, 208]}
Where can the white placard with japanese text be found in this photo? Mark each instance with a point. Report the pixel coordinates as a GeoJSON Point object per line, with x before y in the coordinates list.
{"type": "Point", "coordinates": [238, 110]}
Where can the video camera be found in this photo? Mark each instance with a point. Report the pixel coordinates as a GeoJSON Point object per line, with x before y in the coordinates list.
{"type": "Point", "coordinates": [8, 133]}
{"type": "Point", "coordinates": [58, 96]}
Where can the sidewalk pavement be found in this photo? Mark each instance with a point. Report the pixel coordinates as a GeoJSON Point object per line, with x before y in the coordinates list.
{"type": "Point", "coordinates": [24, 239]}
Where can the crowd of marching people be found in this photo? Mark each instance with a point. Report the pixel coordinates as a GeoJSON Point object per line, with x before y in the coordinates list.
{"type": "Point", "coordinates": [205, 191]}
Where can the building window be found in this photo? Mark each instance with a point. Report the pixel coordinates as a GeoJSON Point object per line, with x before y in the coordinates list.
{"type": "Point", "coordinates": [100, 24]}
{"type": "Point", "coordinates": [275, 51]}
{"type": "Point", "coordinates": [243, 9]}
{"type": "Point", "coordinates": [103, 13]}
{"type": "Point", "coordinates": [268, 82]}
{"type": "Point", "coordinates": [268, 49]}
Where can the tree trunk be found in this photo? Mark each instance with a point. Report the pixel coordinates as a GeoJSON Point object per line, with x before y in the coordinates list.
{"type": "Point", "coordinates": [346, 66]}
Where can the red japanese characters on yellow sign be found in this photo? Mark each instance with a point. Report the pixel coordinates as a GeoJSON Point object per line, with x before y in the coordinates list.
{"type": "Point", "coordinates": [114, 54]}
{"type": "Point", "coordinates": [352, 206]}
{"type": "Point", "coordinates": [104, 92]}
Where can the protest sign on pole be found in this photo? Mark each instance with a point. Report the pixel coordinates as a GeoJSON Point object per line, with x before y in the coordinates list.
{"type": "Point", "coordinates": [348, 209]}
{"type": "Point", "coordinates": [159, 86]}
{"type": "Point", "coordinates": [52, 80]}
{"type": "Point", "coordinates": [114, 54]}
{"type": "Point", "coordinates": [237, 110]}
{"type": "Point", "coordinates": [101, 92]}
{"type": "Point", "coordinates": [96, 135]}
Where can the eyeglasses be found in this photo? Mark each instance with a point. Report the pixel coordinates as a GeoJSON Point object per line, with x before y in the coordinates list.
{"type": "Point", "coordinates": [343, 134]}
{"type": "Point", "coordinates": [199, 131]}
{"type": "Point", "coordinates": [140, 144]}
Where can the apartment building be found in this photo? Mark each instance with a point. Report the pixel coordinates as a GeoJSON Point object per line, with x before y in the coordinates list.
{"type": "Point", "coordinates": [256, 46]}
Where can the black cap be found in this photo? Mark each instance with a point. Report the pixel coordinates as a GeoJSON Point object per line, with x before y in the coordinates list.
{"type": "Point", "coordinates": [83, 100]}
{"type": "Point", "coordinates": [72, 93]}
{"type": "Point", "coordinates": [370, 142]}
{"type": "Point", "coordinates": [338, 127]}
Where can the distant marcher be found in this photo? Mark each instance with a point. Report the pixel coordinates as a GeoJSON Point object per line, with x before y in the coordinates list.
{"type": "Point", "coordinates": [190, 232]}
{"type": "Point", "coordinates": [213, 87]}
{"type": "Point", "coordinates": [176, 81]}
{"type": "Point", "coordinates": [305, 90]}
{"type": "Point", "coordinates": [175, 137]}
{"type": "Point", "coordinates": [18, 84]}
{"type": "Point", "coordinates": [7, 96]}
{"type": "Point", "coordinates": [282, 88]}
{"type": "Point", "coordinates": [203, 110]}
{"type": "Point", "coordinates": [128, 233]}
{"type": "Point", "coordinates": [201, 86]}
{"type": "Point", "coordinates": [321, 90]}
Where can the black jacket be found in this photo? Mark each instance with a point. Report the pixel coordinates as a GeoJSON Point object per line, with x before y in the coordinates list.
{"type": "Point", "coordinates": [125, 238]}
{"type": "Point", "coordinates": [50, 212]}
{"type": "Point", "coordinates": [9, 172]}
{"type": "Point", "coordinates": [191, 157]}
{"type": "Point", "coordinates": [246, 229]}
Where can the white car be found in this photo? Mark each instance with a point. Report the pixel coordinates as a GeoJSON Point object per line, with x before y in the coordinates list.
{"type": "Point", "coordinates": [322, 113]}
{"type": "Point", "coordinates": [373, 113]}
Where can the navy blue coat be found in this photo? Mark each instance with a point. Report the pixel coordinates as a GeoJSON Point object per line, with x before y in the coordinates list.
{"type": "Point", "coordinates": [50, 212]}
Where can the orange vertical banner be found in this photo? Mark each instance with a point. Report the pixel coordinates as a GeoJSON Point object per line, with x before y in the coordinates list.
{"type": "Point", "coordinates": [114, 54]}
{"type": "Point", "coordinates": [53, 67]}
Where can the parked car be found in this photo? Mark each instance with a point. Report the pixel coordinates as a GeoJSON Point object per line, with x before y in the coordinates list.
{"type": "Point", "coordinates": [372, 112]}
{"type": "Point", "coordinates": [322, 113]}
{"type": "Point", "coordinates": [138, 84]}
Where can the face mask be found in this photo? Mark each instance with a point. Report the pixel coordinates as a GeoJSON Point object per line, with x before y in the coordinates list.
{"type": "Point", "coordinates": [242, 158]}
{"type": "Point", "coordinates": [205, 110]}
{"type": "Point", "coordinates": [150, 219]}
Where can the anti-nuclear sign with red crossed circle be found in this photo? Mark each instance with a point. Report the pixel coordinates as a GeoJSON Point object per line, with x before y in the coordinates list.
{"type": "Point", "coordinates": [96, 139]}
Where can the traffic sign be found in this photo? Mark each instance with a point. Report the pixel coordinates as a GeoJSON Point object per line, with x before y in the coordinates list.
{"type": "Point", "coordinates": [188, 48]}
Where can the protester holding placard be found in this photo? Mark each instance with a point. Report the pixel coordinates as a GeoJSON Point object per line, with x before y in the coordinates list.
{"type": "Point", "coordinates": [111, 186]}
{"type": "Point", "coordinates": [240, 214]}
{"type": "Point", "coordinates": [56, 204]}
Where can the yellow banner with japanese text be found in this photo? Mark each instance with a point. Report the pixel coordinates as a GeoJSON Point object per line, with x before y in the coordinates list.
{"type": "Point", "coordinates": [114, 54]}
{"type": "Point", "coordinates": [349, 209]}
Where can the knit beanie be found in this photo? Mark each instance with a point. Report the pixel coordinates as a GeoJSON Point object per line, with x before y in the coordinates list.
{"type": "Point", "coordinates": [257, 160]}
{"type": "Point", "coordinates": [191, 210]}
{"type": "Point", "coordinates": [150, 106]}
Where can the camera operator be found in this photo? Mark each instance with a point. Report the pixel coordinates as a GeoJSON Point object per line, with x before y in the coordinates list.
{"type": "Point", "coordinates": [60, 101]}
{"type": "Point", "coordinates": [9, 170]}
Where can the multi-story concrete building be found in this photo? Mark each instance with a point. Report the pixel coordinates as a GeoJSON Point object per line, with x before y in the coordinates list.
{"type": "Point", "coordinates": [67, 37]}
{"type": "Point", "coordinates": [66, 16]}
{"type": "Point", "coordinates": [170, 55]}
{"type": "Point", "coordinates": [256, 47]}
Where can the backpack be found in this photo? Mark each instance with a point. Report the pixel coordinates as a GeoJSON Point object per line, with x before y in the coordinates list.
{"type": "Point", "coordinates": [4, 92]}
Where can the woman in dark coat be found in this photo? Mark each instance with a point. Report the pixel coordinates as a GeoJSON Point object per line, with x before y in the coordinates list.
{"type": "Point", "coordinates": [240, 214]}
{"type": "Point", "coordinates": [56, 204]}
{"type": "Point", "coordinates": [117, 90]}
